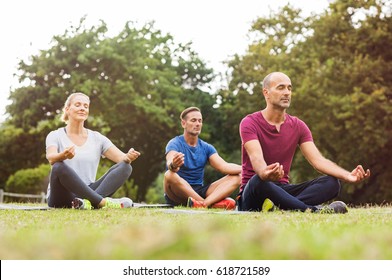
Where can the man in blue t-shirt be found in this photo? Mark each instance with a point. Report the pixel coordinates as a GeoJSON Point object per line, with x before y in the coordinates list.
{"type": "Point", "coordinates": [186, 158]}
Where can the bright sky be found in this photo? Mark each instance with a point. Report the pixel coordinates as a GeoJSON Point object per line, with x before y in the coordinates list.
{"type": "Point", "coordinates": [217, 28]}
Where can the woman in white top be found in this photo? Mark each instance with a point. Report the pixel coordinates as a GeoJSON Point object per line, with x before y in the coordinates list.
{"type": "Point", "coordinates": [74, 153]}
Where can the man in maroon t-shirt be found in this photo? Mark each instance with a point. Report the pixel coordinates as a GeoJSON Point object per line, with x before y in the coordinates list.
{"type": "Point", "coordinates": [269, 140]}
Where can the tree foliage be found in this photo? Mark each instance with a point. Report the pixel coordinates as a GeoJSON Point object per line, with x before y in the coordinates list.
{"type": "Point", "coordinates": [30, 180]}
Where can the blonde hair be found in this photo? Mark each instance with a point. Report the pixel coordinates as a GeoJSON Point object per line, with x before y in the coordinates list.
{"type": "Point", "coordinates": [64, 116]}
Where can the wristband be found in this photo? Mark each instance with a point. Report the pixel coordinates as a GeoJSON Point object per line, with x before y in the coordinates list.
{"type": "Point", "coordinates": [171, 166]}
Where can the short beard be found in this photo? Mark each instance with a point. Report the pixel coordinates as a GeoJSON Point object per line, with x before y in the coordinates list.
{"type": "Point", "coordinates": [194, 133]}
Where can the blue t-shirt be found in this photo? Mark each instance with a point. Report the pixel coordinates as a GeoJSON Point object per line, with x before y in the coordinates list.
{"type": "Point", "coordinates": [195, 158]}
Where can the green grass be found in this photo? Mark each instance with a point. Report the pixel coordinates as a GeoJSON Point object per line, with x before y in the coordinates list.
{"type": "Point", "coordinates": [149, 234]}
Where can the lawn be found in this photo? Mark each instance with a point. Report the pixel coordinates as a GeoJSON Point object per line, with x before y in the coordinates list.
{"type": "Point", "coordinates": [155, 234]}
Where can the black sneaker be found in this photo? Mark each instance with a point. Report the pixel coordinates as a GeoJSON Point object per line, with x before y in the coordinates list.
{"type": "Point", "coordinates": [82, 204]}
{"type": "Point", "coordinates": [336, 207]}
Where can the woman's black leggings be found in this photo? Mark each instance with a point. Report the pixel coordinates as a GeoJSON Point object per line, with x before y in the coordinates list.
{"type": "Point", "coordinates": [65, 185]}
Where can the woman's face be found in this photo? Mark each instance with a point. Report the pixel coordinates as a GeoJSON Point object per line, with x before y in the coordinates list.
{"type": "Point", "coordinates": [79, 108]}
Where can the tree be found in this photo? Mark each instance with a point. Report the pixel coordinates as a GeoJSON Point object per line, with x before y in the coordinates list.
{"type": "Point", "coordinates": [19, 149]}
{"type": "Point", "coordinates": [351, 42]}
{"type": "Point", "coordinates": [339, 63]}
{"type": "Point", "coordinates": [30, 180]}
{"type": "Point", "coordinates": [138, 82]}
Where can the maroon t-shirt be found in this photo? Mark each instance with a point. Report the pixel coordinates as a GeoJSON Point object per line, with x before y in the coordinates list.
{"type": "Point", "coordinates": [277, 146]}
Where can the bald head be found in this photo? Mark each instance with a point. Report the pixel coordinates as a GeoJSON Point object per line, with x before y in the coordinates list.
{"type": "Point", "coordinates": [277, 90]}
{"type": "Point", "coordinates": [271, 77]}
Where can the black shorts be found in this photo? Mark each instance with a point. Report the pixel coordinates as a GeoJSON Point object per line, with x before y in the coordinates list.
{"type": "Point", "coordinates": [200, 190]}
